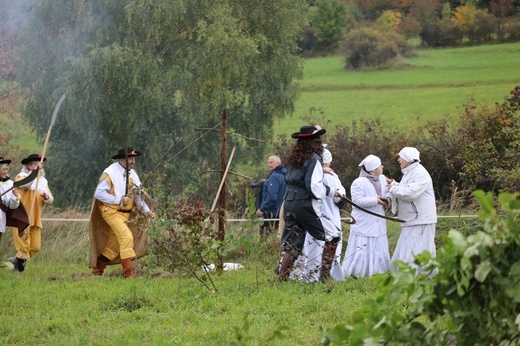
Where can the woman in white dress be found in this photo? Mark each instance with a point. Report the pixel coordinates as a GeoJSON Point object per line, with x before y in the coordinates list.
{"type": "Point", "coordinates": [367, 250]}
{"type": "Point", "coordinates": [416, 201]}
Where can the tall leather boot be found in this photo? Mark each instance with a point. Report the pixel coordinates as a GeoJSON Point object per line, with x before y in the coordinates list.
{"type": "Point", "coordinates": [285, 266]}
{"type": "Point", "coordinates": [101, 264]}
{"type": "Point", "coordinates": [128, 272]}
{"type": "Point", "coordinates": [329, 251]}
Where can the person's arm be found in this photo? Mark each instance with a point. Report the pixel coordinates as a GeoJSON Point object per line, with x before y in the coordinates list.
{"type": "Point", "coordinates": [319, 189]}
{"type": "Point", "coordinates": [358, 194]}
{"type": "Point", "coordinates": [12, 200]}
{"type": "Point", "coordinates": [412, 189]}
{"type": "Point", "coordinates": [101, 193]}
{"type": "Point", "coordinates": [269, 203]}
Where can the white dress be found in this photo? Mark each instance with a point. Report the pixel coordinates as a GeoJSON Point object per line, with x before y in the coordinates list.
{"type": "Point", "coordinates": [367, 250]}
{"type": "Point", "coordinates": [416, 201]}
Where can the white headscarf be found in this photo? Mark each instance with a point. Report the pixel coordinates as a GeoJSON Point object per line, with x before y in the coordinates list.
{"type": "Point", "coordinates": [326, 156]}
{"type": "Point", "coordinates": [410, 154]}
{"type": "Point", "coordinates": [370, 162]}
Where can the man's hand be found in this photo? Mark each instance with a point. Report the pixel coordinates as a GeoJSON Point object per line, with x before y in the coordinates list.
{"type": "Point", "coordinates": [150, 214]}
{"type": "Point", "coordinates": [259, 213]}
{"type": "Point", "coordinates": [328, 170]}
{"type": "Point", "coordinates": [124, 201]}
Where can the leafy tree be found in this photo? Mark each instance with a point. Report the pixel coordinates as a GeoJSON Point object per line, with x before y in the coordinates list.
{"type": "Point", "coordinates": [147, 74]}
{"type": "Point", "coordinates": [329, 19]}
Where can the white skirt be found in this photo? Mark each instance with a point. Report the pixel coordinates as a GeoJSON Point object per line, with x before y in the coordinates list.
{"type": "Point", "coordinates": [307, 267]}
{"type": "Point", "coordinates": [366, 256]}
{"type": "Point", "coordinates": [413, 241]}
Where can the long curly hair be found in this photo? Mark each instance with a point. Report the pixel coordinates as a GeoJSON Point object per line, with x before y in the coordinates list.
{"type": "Point", "coordinates": [302, 150]}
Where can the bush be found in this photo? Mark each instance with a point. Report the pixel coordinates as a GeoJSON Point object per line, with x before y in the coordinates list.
{"type": "Point", "coordinates": [474, 300]}
{"type": "Point", "coordinates": [369, 48]}
{"type": "Point", "coordinates": [441, 34]}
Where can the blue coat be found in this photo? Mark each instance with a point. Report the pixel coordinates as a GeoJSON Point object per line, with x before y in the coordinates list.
{"type": "Point", "coordinates": [273, 192]}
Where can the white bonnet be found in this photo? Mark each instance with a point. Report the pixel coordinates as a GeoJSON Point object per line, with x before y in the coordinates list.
{"type": "Point", "coordinates": [371, 162]}
{"type": "Point", "coordinates": [326, 156]}
{"type": "Point", "coordinates": [410, 154]}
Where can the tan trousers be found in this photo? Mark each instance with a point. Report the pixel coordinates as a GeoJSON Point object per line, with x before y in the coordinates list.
{"type": "Point", "coordinates": [120, 240]}
{"type": "Point", "coordinates": [29, 243]}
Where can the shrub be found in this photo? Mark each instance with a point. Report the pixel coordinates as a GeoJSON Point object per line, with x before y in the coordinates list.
{"type": "Point", "coordinates": [369, 48]}
{"type": "Point", "coordinates": [441, 34]}
{"type": "Point", "coordinates": [474, 300]}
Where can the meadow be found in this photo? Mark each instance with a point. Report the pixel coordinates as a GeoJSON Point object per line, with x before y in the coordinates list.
{"type": "Point", "coordinates": [57, 301]}
{"type": "Point", "coordinates": [434, 83]}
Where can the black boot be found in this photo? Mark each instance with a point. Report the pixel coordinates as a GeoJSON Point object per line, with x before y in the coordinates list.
{"type": "Point", "coordinates": [329, 252]}
{"type": "Point", "coordinates": [20, 264]}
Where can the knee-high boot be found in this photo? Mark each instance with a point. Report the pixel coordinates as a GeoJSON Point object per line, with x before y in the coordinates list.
{"type": "Point", "coordinates": [329, 251]}
{"type": "Point", "coordinates": [128, 272]}
{"type": "Point", "coordinates": [285, 266]}
{"type": "Point", "coordinates": [101, 264]}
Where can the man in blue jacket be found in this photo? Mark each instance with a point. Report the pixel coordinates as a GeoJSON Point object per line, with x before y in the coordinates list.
{"type": "Point", "coordinates": [273, 193]}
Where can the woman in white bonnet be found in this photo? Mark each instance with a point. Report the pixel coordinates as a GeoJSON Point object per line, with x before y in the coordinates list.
{"type": "Point", "coordinates": [367, 250]}
{"type": "Point", "coordinates": [416, 200]}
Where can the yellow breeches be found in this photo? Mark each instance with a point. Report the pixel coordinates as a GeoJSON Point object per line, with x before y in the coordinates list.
{"type": "Point", "coordinates": [29, 243]}
{"type": "Point", "coordinates": [120, 240]}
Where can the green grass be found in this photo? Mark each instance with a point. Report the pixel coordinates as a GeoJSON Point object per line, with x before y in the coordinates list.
{"type": "Point", "coordinates": [435, 83]}
{"type": "Point", "coordinates": [57, 302]}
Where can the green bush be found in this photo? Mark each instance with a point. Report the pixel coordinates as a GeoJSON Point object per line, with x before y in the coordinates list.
{"type": "Point", "coordinates": [369, 48]}
{"type": "Point", "coordinates": [474, 300]}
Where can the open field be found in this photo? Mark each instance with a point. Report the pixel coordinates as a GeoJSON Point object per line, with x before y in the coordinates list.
{"type": "Point", "coordinates": [57, 302]}
{"type": "Point", "coordinates": [435, 83]}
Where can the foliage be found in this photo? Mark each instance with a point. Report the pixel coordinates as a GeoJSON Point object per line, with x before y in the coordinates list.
{"type": "Point", "coordinates": [369, 48]}
{"type": "Point", "coordinates": [441, 34]}
{"type": "Point", "coordinates": [329, 20]}
{"type": "Point", "coordinates": [474, 299]}
{"type": "Point", "coordinates": [146, 75]}
{"type": "Point", "coordinates": [489, 146]}
{"type": "Point", "coordinates": [388, 21]}
{"type": "Point", "coordinates": [186, 240]}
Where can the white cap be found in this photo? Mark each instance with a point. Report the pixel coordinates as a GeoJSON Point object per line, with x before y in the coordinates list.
{"type": "Point", "coordinates": [326, 156]}
{"type": "Point", "coordinates": [371, 162]}
{"type": "Point", "coordinates": [410, 154]}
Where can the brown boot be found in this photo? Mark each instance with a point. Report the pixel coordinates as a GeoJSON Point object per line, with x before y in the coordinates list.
{"type": "Point", "coordinates": [329, 251]}
{"type": "Point", "coordinates": [285, 266]}
{"type": "Point", "coordinates": [128, 272]}
{"type": "Point", "coordinates": [101, 264]}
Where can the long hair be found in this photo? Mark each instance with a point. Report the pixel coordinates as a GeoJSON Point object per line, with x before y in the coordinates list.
{"type": "Point", "coordinates": [302, 150]}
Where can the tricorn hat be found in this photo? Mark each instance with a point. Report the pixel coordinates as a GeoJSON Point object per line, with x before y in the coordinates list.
{"type": "Point", "coordinates": [131, 153]}
{"type": "Point", "coordinates": [32, 158]}
{"type": "Point", "coordinates": [308, 132]}
{"type": "Point", "coordinates": [4, 161]}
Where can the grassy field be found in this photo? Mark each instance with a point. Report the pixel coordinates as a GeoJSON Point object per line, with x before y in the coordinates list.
{"type": "Point", "coordinates": [56, 301]}
{"type": "Point", "coordinates": [436, 82]}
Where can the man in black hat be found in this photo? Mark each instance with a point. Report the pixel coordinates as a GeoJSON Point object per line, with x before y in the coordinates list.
{"type": "Point", "coordinates": [34, 196]}
{"type": "Point", "coordinates": [303, 204]}
{"type": "Point", "coordinates": [111, 238]}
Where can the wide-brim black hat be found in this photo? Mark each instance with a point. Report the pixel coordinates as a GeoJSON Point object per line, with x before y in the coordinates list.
{"type": "Point", "coordinates": [4, 161]}
{"type": "Point", "coordinates": [308, 132]}
{"type": "Point", "coordinates": [33, 157]}
{"type": "Point", "coordinates": [131, 153]}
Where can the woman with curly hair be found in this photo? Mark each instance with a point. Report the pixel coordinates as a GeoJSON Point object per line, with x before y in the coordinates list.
{"type": "Point", "coordinates": [303, 203]}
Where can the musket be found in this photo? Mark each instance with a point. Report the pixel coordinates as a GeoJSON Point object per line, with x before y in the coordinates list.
{"type": "Point", "coordinates": [23, 181]}
{"type": "Point", "coordinates": [371, 212]}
